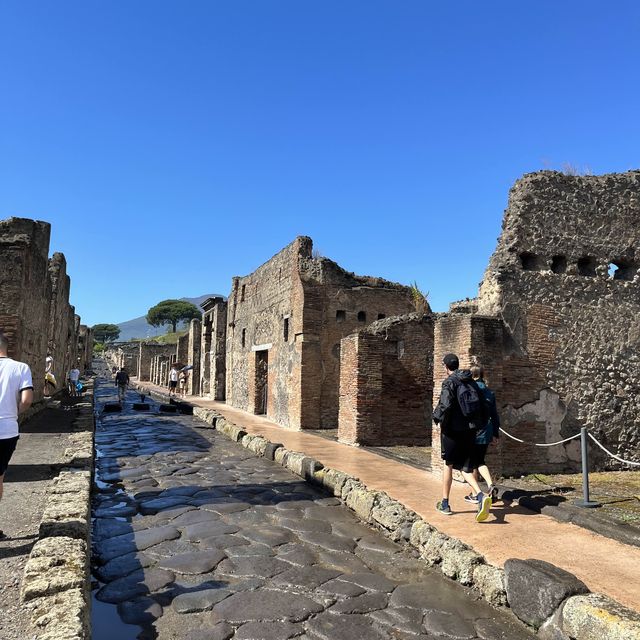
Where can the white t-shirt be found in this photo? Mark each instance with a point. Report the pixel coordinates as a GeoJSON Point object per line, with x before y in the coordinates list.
{"type": "Point", "coordinates": [14, 377]}
{"type": "Point", "coordinates": [173, 375]}
{"type": "Point", "coordinates": [74, 375]}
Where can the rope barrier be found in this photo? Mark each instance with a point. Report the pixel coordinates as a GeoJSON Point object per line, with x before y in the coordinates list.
{"type": "Point", "coordinates": [613, 455]}
{"type": "Point", "coordinates": [539, 444]}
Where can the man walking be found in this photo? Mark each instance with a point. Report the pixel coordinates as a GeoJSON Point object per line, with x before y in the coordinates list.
{"type": "Point", "coordinates": [460, 412]}
{"type": "Point", "coordinates": [122, 382]}
{"type": "Point", "coordinates": [16, 396]}
{"type": "Point", "coordinates": [173, 380]}
{"type": "Point", "coordinates": [73, 377]}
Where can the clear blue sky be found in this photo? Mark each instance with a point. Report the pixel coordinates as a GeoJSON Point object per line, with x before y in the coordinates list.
{"type": "Point", "coordinates": [173, 145]}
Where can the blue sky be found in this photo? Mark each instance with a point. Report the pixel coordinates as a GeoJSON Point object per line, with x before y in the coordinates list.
{"type": "Point", "coordinates": [173, 145]}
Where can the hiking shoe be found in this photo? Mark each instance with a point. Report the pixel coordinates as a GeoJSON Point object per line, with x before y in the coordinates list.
{"type": "Point", "coordinates": [445, 509]}
{"type": "Point", "coordinates": [484, 506]}
{"type": "Point", "coordinates": [471, 499]}
{"type": "Point", "coordinates": [493, 492]}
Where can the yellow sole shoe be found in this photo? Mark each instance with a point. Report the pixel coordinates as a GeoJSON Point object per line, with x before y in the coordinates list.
{"type": "Point", "coordinates": [484, 510]}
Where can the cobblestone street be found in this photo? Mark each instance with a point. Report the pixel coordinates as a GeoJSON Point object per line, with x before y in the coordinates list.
{"type": "Point", "coordinates": [195, 538]}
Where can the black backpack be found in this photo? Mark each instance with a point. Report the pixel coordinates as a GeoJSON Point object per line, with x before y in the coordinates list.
{"type": "Point", "coordinates": [472, 404]}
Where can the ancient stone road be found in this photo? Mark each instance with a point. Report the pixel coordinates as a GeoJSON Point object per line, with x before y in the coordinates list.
{"type": "Point", "coordinates": [197, 539]}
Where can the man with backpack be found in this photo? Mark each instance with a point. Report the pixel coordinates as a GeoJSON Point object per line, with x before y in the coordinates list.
{"type": "Point", "coordinates": [460, 412]}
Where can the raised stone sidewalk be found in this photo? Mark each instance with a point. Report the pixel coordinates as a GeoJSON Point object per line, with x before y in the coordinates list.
{"type": "Point", "coordinates": [542, 568]}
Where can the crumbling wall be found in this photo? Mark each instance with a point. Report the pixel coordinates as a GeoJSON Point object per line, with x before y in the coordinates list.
{"type": "Point", "coordinates": [213, 348]}
{"type": "Point", "coordinates": [193, 357]}
{"type": "Point", "coordinates": [85, 347]}
{"type": "Point", "coordinates": [146, 351]}
{"type": "Point", "coordinates": [26, 292]}
{"type": "Point", "coordinates": [60, 329]}
{"type": "Point", "coordinates": [564, 279]}
{"type": "Point", "coordinates": [386, 383]}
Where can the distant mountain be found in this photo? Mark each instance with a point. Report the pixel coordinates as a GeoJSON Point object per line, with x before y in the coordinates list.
{"type": "Point", "coordinates": [138, 327]}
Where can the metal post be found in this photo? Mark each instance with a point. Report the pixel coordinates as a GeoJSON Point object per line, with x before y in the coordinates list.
{"type": "Point", "coordinates": [585, 502]}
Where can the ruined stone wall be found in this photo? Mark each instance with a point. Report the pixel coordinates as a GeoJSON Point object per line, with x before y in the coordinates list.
{"type": "Point", "coordinates": [336, 303]}
{"type": "Point", "coordinates": [146, 351]}
{"type": "Point", "coordinates": [26, 292]}
{"type": "Point", "coordinates": [182, 349]}
{"type": "Point", "coordinates": [193, 357]}
{"type": "Point", "coordinates": [217, 351]}
{"type": "Point", "coordinates": [386, 383]}
{"type": "Point", "coordinates": [85, 347]}
{"type": "Point", "coordinates": [259, 308]}
{"type": "Point", "coordinates": [60, 329]}
{"type": "Point", "coordinates": [564, 279]}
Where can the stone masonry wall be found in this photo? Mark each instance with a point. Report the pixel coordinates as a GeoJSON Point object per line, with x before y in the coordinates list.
{"type": "Point", "coordinates": [217, 351]}
{"type": "Point", "coordinates": [26, 292]}
{"type": "Point", "coordinates": [564, 280]}
{"type": "Point", "coordinates": [61, 318]}
{"type": "Point", "coordinates": [386, 383]}
{"type": "Point", "coordinates": [193, 357]}
{"type": "Point", "coordinates": [145, 354]}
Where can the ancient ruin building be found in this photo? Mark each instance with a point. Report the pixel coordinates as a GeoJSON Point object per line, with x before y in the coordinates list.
{"type": "Point", "coordinates": [212, 348]}
{"type": "Point", "coordinates": [386, 382]}
{"type": "Point", "coordinates": [147, 351]}
{"type": "Point", "coordinates": [285, 322]}
{"type": "Point", "coordinates": [34, 306]}
{"type": "Point", "coordinates": [193, 357]}
{"type": "Point", "coordinates": [557, 318]}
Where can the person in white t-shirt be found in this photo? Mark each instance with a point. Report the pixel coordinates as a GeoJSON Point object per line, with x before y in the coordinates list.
{"type": "Point", "coordinates": [173, 381]}
{"type": "Point", "coordinates": [16, 396]}
{"type": "Point", "coordinates": [73, 377]}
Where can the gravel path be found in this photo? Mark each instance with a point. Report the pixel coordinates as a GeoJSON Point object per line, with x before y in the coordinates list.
{"type": "Point", "coordinates": [197, 539]}
{"type": "Point", "coordinates": [35, 463]}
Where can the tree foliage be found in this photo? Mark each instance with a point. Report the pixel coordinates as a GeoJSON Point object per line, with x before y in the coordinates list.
{"type": "Point", "coordinates": [171, 312]}
{"type": "Point", "coordinates": [419, 298]}
{"type": "Point", "coordinates": [106, 332]}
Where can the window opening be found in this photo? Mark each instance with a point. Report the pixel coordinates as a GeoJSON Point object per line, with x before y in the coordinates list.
{"type": "Point", "coordinates": [243, 292]}
{"type": "Point", "coordinates": [558, 264]}
{"type": "Point", "coordinates": [362, 316]}
{"type": "Point", "coordinates": [381, 316]}
{"type": "Point", "coordinates": [587, 266]}
{"type": "Point", "coordinates": [622, 270]}
{"type": "Point", "coordinates": [285, 329]}
{"type": "Point", "coordinates": [244, 337]}
{"type": "Point", "coordinates": [341, 315]}
{"type": "Point", "coordinates": [529, 261]}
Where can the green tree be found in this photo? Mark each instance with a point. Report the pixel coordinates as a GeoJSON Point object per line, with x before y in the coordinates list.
{"type": "Point", "coordinates": [171, 312]}
{"type": "Point", "coordinates": [106, 332]}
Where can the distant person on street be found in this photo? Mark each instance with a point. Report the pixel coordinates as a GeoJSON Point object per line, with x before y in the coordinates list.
{"type": "Point", "coordinates": [173, 381]}
{"type": "Point", "coordinates": [460, 412]}
{"type": "Point", "coordinates": [16, 396]}
{"type": "Point", "coordinates": [485, 436]}
{"type": "Point", "coordinates": [122, 382]}
{"type": "Point", "coordinates": [184, 379]}
{"type": "Point", "coordinates": [73, 377]}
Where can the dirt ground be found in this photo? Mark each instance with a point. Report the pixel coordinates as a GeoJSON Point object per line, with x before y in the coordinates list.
{"type": "Point", "coordinates": [35, 463]}
{"type": "Point", "coordinates": [617, 491]}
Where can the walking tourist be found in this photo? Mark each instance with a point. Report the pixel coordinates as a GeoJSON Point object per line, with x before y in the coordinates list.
{"type": "Point", "coordinates": [184, 379]}
{"type": "Point", "coordinates": [122, 382]}
{"type": "Point", "coordinates": [484, 436]}
{"type": "Point", "coordinates": [460, 412]}
{"type": "Point", "coordinates": [16, 396]}
{"type": "Point", "coordinates": [173, 380]}
{"type": "Point", "coordinates": [73, 378]}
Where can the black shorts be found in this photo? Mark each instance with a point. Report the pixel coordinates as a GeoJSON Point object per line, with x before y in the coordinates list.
{"type": "Point", "coordinates": [478, 454]}
{"type": "Point", "coordinates": [173, 384]}
{"type": "Point", "coordinates": [7, 447]}
{"type": "Point", "coordinates": [457, 449]}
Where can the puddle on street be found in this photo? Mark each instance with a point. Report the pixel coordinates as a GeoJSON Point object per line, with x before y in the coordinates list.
{"type": "Point", "coordinates": [106, 623]}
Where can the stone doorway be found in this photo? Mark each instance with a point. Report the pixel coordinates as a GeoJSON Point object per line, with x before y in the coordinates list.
{"type": "Point", "coordinates": [262, 382]}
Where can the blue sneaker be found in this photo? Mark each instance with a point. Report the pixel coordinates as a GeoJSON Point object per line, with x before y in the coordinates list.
{"type": "Point", "coordinates": [443, 508]}
{"type": "Point", "coordinates": [484, 507]}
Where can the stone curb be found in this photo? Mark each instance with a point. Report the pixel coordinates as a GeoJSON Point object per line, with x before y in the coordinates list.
{"type": "Point", "coordinates": [56, 582]}
{"type": "Point", "coordinates": [585, 616]}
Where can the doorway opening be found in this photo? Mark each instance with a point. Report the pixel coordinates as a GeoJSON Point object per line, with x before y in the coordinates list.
{"type": "Point", "coordinates": [262, 382]}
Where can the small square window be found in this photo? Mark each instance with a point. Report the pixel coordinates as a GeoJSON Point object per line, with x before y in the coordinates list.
{"type": "Point", "coordinates": [362, 316]}
{"type": "Point", "coordinates": [341, 315]}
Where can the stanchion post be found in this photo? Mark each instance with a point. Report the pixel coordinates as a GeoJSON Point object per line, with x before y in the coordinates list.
{"type": "Point", "coordinates": [584, 447]}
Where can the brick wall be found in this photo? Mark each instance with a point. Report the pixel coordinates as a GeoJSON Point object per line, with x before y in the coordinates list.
{"type": "Point", "coordinates": [386, 383]}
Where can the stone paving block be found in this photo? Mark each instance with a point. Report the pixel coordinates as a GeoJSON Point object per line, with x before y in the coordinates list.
{"type": "Point", "coordinates": [535, 589]}
{"type": "Point", "coordinates": [329, 626]}
{"type": "Point", "coordinates": [138, 583]}
{"type": "Point", "coordinates": [446, 625]}
{"type": "Point", "coordinates": [268, 631]}
{"type": "Point", "coordinates": [55, 564]}
{"type": "Point", "coordinates": [361, 604]}
{"type": "Point", "coordinates": [596, 617]}
{"type": "Point", "coordinates": [194, 563]}
{"type": "Point", "coordinates": [141, 611]}
{"type": "Point", "coordinates": [201, 600]}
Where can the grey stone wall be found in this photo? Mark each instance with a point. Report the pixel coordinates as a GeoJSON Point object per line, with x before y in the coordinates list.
{"type": "Point", "coordinates": [564, 280]}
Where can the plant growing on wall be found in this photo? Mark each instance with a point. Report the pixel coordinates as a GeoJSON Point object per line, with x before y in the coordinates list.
{"type": "Point", "coordinates": [419, 298]}
{"type": "Point", "coordinates": [106, 332]}
{"type": "Point", "coordinates": [171, 312]}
